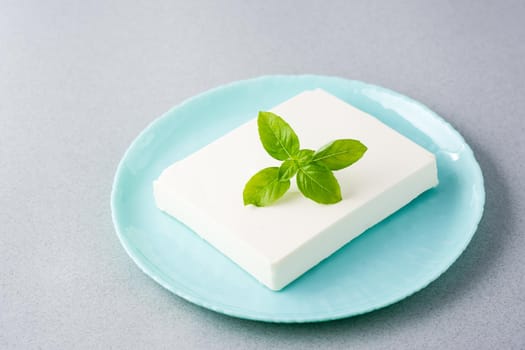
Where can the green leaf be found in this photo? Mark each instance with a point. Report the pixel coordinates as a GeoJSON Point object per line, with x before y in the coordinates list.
{"type": "Point", "coordinates": [277, 137]}
{"type": "Point", "coordinates": [319, 184]}
{"type": "Point", "coordinates": [304, 156]}
{"type": "Point", "coordinates": [340, 154]}
{"type": "Point", "coordinates": [288, 170]}
{"type": "Point", "coordinates": [264, 188]}
{"type": "Point", "coordinates": [314, 169]}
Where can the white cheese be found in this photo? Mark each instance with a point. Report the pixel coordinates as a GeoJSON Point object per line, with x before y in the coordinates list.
{"type": "Point", "coordinates": [278, 243]}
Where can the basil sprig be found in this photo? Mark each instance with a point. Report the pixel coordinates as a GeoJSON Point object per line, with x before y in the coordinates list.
{"type": "Point", "coordinates": [314, 169]}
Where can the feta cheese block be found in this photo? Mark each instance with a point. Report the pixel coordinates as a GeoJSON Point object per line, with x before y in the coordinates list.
{"type": "Point", "coordinates": [278, 243]}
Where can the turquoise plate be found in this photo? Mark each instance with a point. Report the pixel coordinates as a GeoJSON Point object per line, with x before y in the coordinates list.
{"type": "Point", "coordinates": [387, 263]}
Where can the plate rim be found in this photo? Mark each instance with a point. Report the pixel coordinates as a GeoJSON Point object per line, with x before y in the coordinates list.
{"type": "Point", "coordinates": [184, 292]}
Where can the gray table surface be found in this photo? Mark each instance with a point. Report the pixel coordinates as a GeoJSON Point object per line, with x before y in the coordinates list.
{"type": "Point", "coordinates": [79, 80]}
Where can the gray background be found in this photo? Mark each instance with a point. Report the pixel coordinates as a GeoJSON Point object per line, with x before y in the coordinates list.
{"type": "Point", "coordinates": [79, 80]}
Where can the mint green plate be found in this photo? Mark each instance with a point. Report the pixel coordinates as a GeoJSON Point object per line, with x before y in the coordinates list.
{"type": "Point", "coordinates": [387, 263]}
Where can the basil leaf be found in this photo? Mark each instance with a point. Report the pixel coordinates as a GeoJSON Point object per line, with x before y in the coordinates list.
{"type": "Point", "coordinates": [277, 137]}
{"type": "Point", "coordinates": [340, 154]}
{"type": "Point", "coordinates": [264, 188]}
{"type": "Point", "coordinates": [313, 169]}
{"type": "Point", "coordinates": [319, 184]}
{"type": "Point", "coordinates": [287, 170]}
{"type": "Point", "coordinates": [304, 156]}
